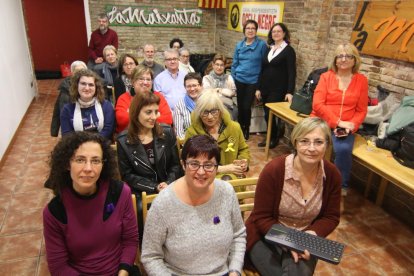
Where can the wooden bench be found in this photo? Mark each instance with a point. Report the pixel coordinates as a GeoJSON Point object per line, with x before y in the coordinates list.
{"type": "Point", "coordinates": [378, 161]}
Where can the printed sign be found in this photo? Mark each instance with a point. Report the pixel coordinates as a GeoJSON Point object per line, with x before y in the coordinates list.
{"type": "Point", "coordinates": [385, 29]}
{"type": "Point", "coordinates": [139, 16]}
{"type": "Point", "coordinates": [264, 13]}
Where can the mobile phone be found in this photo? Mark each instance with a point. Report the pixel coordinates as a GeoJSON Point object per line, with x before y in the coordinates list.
{"type": "Point", "coordinates": [341, 132]}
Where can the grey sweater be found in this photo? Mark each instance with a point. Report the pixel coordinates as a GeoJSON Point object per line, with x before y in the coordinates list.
{"type": "Point", "coordinates": [180, 239]}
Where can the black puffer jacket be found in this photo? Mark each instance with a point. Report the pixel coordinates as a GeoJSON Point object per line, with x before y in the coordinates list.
{"type": "Point", "coordinates": [135, 167]}
{"type": "Point", "coordinates": [62, 99]}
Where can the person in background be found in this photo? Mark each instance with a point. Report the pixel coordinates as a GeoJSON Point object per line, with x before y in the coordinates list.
{"type": "Point", "coordinates": [341, 99]}
{"type": "Point", "coordinates": [212, 118]}
{"type": "Point", "coordinates": [123, 83]}
{"type": "Point", "coordinates": [63, 97]}
{"type": "Point", "coordinates": [277, 80]}
{"type": "Point", "coordinates": [301, 191]}
{"type": "Point", "coordinates": [170, 82]}
{"type": "Point", "coordinates": [195, 227]}
{"type": "Point", "coordinates": [149, 61]}
{"type": "Point", "coordinates": [184, 64]}
{"type": "Point", "coordinates": [109, 71]}
{"type": "Point", "coordinates": [89, 226]}
{"type": "Point", "coordinates": [245, 70]}
{"type": "Point", "coordinates": [100, 38]}
{"type": "Point", "coordinates": [222, 83]}
{"type": "Point", "coordinates": [88, 109]}
{"type": "Point", "coordinates": [183, 109]}
{"type": "Point", "coordinates": [147, 152]}
{"type": "Point", "coordinates": [142, 83]}
{"type": "Point", "coordinates": [176, 44]}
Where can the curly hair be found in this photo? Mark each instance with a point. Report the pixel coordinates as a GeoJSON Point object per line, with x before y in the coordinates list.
{"type": "Point", "coordinates": [176, 39]}
{"type": "Point", "coordinates": [74, 87]}
{"type": "Point", "coordinates": [59, 160]}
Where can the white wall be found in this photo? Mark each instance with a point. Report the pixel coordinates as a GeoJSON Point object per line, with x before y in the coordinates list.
{"type": "Point", "coordinates": [16, 74]}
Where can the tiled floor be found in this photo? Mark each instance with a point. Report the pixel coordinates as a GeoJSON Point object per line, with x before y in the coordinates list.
{"type": "Point", "coordinates": [377, 244]}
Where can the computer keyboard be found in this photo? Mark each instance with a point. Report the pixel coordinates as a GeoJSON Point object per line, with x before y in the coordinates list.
{"type": "Point", "coordinates": [321, 248]}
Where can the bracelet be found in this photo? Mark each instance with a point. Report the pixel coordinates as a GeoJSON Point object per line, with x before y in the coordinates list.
{"type": "Point", "coordinates": [233, 270]}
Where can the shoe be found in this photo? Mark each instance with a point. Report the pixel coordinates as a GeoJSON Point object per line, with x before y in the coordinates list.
{"type": "Point", "coordinates": [246, 132]}
{"type": "Point", "coordinates": [262, 144]}
{"type": "Point", "coordinates": [344, 192]}
{"type": "Point", "coordinates": [273, 143]}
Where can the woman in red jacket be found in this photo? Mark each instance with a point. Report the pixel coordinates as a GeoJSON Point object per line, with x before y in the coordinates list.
{"type": "Point", "coordinates": [341, 99]}
{"type": "Point", "coordinates": [301, 191]}
{"type": "Point", "coordinates": [142, 79]}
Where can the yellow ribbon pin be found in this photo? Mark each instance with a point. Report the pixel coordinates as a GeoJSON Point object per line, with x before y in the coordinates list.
{"type": "Point", "coordinates": [229, 147]}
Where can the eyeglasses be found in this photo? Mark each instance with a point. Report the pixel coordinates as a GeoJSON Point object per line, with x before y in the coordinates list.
{"type": "Point", "coordinates": [307, 143]}
{"type": "Point", "coordinates": [195, 166]}
{"type": "Point", "coordinates": [192, 86]}
{"type": "Point", "coordinates": [86, 84]}
{"type": "Point", "coordinates": [185, 56]}
{"type": "Point", "coordinates": [277, 31]}
{"type": "Point", "coordinates": [171, 59]}
{"type": "Point", "coordinates": [219, 64]}
{"type": "Point", "coordinates": [347, 57]}
{"type": "Point", "coordinates": [95, 162]}
{"type": "Point", "coordinates": [251, 28]}
{"type": "Point", "coordinates": [144, 80]}
{"type": "Point", "coordinates": [129, 64]}
{"type": "Point", "coordinates": [214, 112]}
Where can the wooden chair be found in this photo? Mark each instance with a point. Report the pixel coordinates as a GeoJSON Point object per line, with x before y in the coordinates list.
{"type": "Point", "coordinates": [180, 144]}
{"type": "Point", "coordinates": [137, 261]}
{"type": "Point", "coordinates": [146, 201]}
{"type": "Point", "coordinates": [246, 197]}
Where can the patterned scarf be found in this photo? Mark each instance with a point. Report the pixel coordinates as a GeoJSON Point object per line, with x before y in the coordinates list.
{"type": "Point", "coordinates": [219, 81]}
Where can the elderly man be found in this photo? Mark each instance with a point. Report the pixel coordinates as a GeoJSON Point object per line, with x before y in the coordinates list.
{"type": "Point", "coordinates": [170, 82]}
{"type": "Point", "coordinates": [149, 61]}
{"type": "Point", "coordinates": [100, 38]}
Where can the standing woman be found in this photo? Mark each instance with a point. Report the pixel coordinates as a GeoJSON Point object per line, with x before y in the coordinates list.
{"type": "Point", "coordinates": [88, 110]}
{"type": "Point", "coordinates": [277, 80]}
{"type": "Point", "coordinates": [89, 226]}
{"type": "Point", "coordinates": [341, 99]}
{"type": "Point", "coordinates": [247, 60]}
{"type": "Point", "coordinates": [123, 83]}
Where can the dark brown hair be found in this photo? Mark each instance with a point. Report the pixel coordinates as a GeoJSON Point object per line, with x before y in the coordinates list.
{"type": "Point", "coordinates": [201, 145]}
{"type": "Point", "coordinates": [122, 61]}
{"type": "Point", "coordinates": [286, 38]}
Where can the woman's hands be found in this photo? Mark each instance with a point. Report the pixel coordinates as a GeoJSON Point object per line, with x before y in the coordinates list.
{"type": "Point", "coordinates": [349, 126]}
{"type": "Point", "coordinates": [288, 97]}
{"type": "Point", "coordinates": [305, 255]}
{"type": "Point", "coordinates": [162, 186]}
{"type": "Point", "coordinates": [237, 167]}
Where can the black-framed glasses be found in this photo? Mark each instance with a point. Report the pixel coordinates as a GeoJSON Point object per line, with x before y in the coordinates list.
{"type": "Point", "coordinates": [195, 166]}
{"type": "Point", "coordinates": [214, 112]}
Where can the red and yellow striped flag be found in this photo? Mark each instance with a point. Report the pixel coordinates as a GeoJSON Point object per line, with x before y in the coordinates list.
{"type": "Point", "coordinates": [212, 4]}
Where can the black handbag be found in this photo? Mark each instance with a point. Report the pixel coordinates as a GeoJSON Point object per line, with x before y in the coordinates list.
{"type": "Point", "coordinates": [302, 99]}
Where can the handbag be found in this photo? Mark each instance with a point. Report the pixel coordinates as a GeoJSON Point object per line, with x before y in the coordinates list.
{"type": "Point", "coordinates": [65, 70]}
{"type": "Point", "coordinates": [302, 99]}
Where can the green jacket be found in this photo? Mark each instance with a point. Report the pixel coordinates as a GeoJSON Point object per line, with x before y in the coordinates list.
{"type": "Point", "coordinates": [403, 116]}
{"type": "Point", "coordinates": [231, 134]}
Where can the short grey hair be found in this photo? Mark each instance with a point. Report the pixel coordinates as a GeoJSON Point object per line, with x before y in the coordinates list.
{"type": "Point", "coordinates": [77, 63]}
{"type": "Point", "coordinates": [181, 50]}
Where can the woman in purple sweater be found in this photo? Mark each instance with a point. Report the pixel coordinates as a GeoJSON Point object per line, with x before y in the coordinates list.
{"type": "Point", "coordinates": [90, 225]}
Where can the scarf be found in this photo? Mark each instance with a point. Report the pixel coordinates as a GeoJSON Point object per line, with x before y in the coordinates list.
{"type": "Point", "coordinates": [127, 83]}
{"type": "Point", "coordinates": [189, 103]}
{"type": "Point", "coordinates": [219, 81]}
{"type": "Point", "coordinates": [106, 70]}
{"type": "Point", "coordinates": [77, 116]}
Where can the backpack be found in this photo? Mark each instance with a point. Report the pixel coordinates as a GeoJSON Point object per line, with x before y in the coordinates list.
{"type": "Point", "coordinates": [404, 153]}
{"type": "Point", "coordinates": [303, 98]}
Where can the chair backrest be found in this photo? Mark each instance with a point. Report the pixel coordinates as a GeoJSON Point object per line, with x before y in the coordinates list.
{"type": "Point", "coordinates": [244, 193]}
{"type": "Point", "coordinates": [180, 144]}
{"type": "Point", "coordinates": [146, 201]}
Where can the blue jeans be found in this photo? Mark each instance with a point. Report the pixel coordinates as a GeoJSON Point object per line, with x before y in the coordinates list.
{"type": "Point", "coordinates": [343, 156]}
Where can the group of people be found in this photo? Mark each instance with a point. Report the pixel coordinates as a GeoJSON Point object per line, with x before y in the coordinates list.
{"type": "Point", "coordinates": [194, 227]}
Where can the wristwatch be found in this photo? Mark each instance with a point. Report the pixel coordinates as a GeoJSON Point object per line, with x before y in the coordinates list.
{"type": "Point", "coordinates": [233, 270]}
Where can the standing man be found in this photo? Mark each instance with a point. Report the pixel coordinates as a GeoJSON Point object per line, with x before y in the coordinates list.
{"type": "Point", "coordinates": [170, 82]}
{"type": "Point", "coordinates": [100, 38]}
{"type": "Point", "coordinates": [149, 61]}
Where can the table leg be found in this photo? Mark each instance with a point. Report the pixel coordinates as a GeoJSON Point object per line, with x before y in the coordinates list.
{"type": "Point", "coordinates": [269, 132]}
{"type": "Point", "coordinates": [381, 191]}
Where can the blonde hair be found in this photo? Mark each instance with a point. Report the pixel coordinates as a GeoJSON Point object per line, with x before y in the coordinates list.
{"type": "Point", "coordinates": [349, 49]}
{"type": "Point", "coordinates": [208, 100]}
{"type": "Point", "coordinates": [308, 125]}
{"type": "Point", "coordinates": [109, 47]}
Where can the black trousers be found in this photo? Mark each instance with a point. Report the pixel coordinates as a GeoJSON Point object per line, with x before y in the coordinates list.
{"type": "Point", "coordinates": [245, 97]}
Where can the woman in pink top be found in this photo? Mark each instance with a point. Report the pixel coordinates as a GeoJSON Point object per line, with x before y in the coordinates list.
{"type": "Point", "coordinates": [341, 99]}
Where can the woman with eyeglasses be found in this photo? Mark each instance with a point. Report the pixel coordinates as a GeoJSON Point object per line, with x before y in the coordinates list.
{"type": "Point", "coordinates": [212, 118]}
{"type": "Point", "coordinates": [123, 83]}
{"type": "Point", "coordinates": [194, 227]}
{"type": "Point", "coordinates": [109, 70]}
{"type": "Point", "coordinates": [245, 70]}
{"type": "Point", "coordinates": [142, 79]}
{"type": "Point", "coordinates": [301, 191]}
{"type": "Point", "coordinates": [277, 80]}
{"type": "Point", "coordinates": [222, 83]}
{"type": "Point", "coordinates": [184, 64]}
{"type": "Point", "coordinates": [147, 152]}
{"type": "Point", "coordinates": [341, 99]}
{"type": "Point", "coordinates": [88, 110]}
{"type": "Point", "coordinates": [89, 226]}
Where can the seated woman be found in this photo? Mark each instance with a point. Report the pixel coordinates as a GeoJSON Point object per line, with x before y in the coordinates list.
{"type": "Point", "coordinates": [123, 83]}
{"type": "Point", "coordinates": [195, 227]}
{"type": "Point", "coordinates": [184, 64]}
{"type": "Point", "coordinates": [222, 83]}
{"type": "Point", "coordinates": [341, 99]}
{"type": "Point", "coordinates": [184, 107]}
{"type": "Point", "coordinates": [301, 191]}
{"type": "Point", "coordinates": [109, 71]}
{"type": "Point", "coordinates": [210, 117]}
{"type": "Point", "coordinates": [89, 226]}
{"type": "Point", "coordinates": [147, 152]}
{"type": "Point", "coordinates": [142, 78]}
{"type": "Point", "coordinates": [88, 109]}
{"type": "Point", "coordinates": [63, 97]}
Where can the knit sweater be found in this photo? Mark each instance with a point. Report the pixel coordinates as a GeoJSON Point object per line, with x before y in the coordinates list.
{"type": "Point", "coordinates": [187, 240]}
{"type": "Point", "coordinates": [267, 200]}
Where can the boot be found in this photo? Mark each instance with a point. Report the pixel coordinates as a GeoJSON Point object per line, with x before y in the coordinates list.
{"type": "Point", "coordinates": [246, 133]}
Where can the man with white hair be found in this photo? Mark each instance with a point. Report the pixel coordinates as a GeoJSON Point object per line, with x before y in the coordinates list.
{"type": "Point", "coordinates": [149, 51]}
{"type": "Point", "coordinates": [170, 82]}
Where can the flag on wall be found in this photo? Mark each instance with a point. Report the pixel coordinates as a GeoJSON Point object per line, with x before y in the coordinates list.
{"type": "Point", "coordinates": [212, 4]}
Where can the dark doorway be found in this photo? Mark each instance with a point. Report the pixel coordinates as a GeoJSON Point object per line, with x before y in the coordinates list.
{"type": "Point", "coordinates": [57, 34]}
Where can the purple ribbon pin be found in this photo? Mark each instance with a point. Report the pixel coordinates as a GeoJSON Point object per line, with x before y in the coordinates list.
{"type": "Point", "coordinates": [110, 208]}
{"type": "Point", "coordinates": [216, 220]}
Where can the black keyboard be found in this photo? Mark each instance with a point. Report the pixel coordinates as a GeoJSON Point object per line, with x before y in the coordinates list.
{"type": "Point", "coordinates": [321, 248]}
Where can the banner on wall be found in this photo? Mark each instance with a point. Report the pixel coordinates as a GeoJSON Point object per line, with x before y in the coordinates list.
{"type": "Point", "coordinates": [144, 16]}
{"type": "Point", "coordinates": [264, 13]}
{"type": "Point", "coordinates": [385, 29]}
{"type": "Point", "coordinates": [212, 4]}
